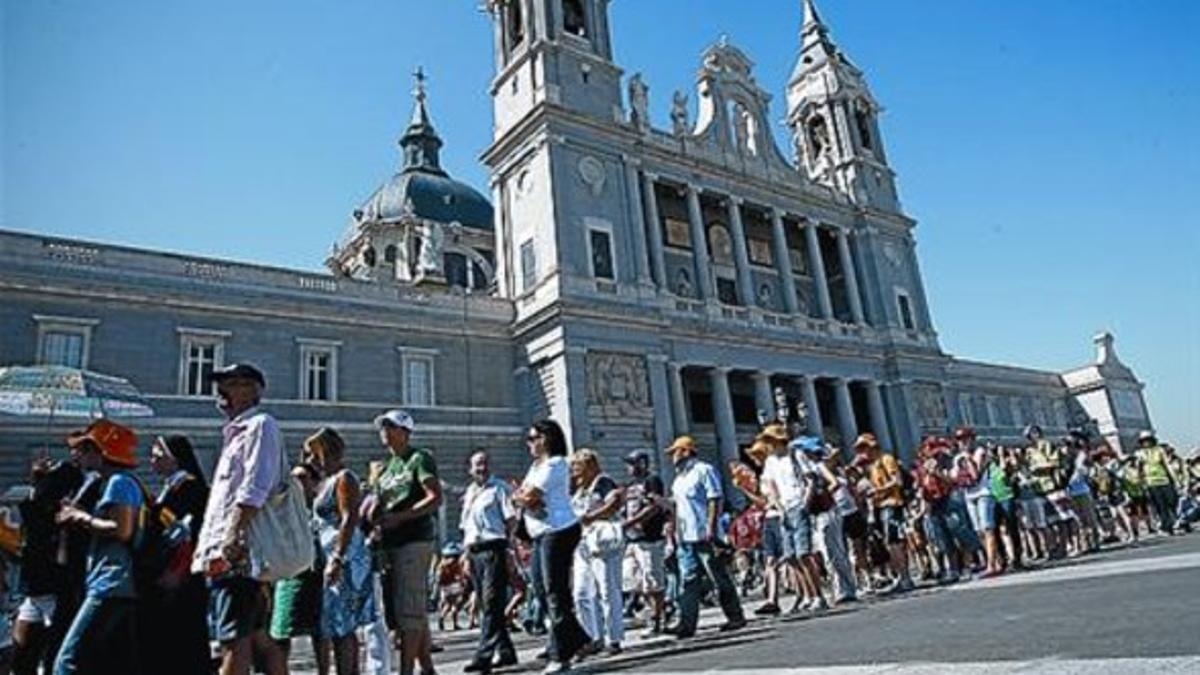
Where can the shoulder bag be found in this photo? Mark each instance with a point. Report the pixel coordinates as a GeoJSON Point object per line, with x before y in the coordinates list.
{"type": "Point", "coordinates": [280, 537]}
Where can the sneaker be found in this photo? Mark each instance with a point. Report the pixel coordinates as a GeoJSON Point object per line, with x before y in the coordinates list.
{"type": "Point", "coordinates": [679, 632]}
{"type": "Point", "coordinates": [845, 599]}
{"type": "Point", "coordinates": [906, 585]}
{"type": "Point", "coordinates": [506, 660]}
{"type": "Point", "coordinates": [557, 667]}
{"type": "Point", "coordinates": [477, 666]}
{"type": "Point", "coordinates": [653, 630]}
{"type": "Point", "coordinates": [768, 609]}
{"type": "Point", "coordinates": [614, 649]}
{"type": "Point", "coordinates": [819, 605]}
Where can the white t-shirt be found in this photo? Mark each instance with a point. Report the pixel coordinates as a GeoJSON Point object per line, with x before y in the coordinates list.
{"type": "Point", "coordinates": [781, 472]}
{"type": "Point", "coordinates": [553, 478]}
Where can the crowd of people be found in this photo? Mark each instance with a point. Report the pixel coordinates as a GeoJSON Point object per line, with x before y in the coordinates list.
{"type": "Point", "coordinates": [114, 579]}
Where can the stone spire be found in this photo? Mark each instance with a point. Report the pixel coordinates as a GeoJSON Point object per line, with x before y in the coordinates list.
{"type": "Point", "coordinates": [420, 141]}
{"type": "Point", "coordinates": [816, 47]}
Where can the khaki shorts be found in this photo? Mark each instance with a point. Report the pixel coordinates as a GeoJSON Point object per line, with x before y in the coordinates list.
{"type": "Point", "coordinates": [410, 584]}
{"type": "Point", "coordinates": [649, 559]}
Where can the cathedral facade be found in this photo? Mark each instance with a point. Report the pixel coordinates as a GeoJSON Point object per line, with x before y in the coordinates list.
{"type": "Point", "coordinates": [632, 282]}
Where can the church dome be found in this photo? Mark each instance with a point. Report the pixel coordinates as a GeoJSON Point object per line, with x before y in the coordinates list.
{"type": "Point", "coordinates": [422, 188]}
{"type": "Point", "coordinates": [431, 196]}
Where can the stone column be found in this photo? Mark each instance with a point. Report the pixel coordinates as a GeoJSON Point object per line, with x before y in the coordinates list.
{"type": "Point", "coordinates": [816, 426]}
{"type": "Point", "coordinates": [783, 262]}
{"type": "Point", "coordinates": [726, 426]}
{"type": "Point", "coordinates": [741, 256]}
{"type": "Point", "coordinates": [679, 408]}
{"type": "Point", "coordinates": [660, 401]}
{"type": "Point", "coordinates": [879, 422]}
{"type": "Point", "coordinates": [845, 412]}
{"type": "Point", "coordinates": [637, 221]}
{"type": "Point", "coordinates": [704, 280]}
{"type": "Point", "coordinates": [764, 398]}
{"type": "Point", "coordinates": [658, 261]}
{"type": "Point", "coordinates": [850, 276]}
{"type": "Point", "coordinates": [504, 261]}
{"type": "Point", "coordinates": [579, 432]}
{"type": "Point", "coordinates": [817, 266]}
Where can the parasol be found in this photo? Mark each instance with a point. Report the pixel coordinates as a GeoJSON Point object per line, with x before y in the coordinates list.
{"type": "Point", "coordinates": [68, 392]}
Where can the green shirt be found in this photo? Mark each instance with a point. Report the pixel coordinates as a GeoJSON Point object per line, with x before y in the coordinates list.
{"type": "Point", "coordinates": [399, 487]}
{"type": "Point", "coordinates": [1000, 486]}
{"type": "Point", "coordinates": [1154, 466]}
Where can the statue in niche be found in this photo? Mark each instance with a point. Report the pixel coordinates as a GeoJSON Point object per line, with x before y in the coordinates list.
{"type": "Point", "coordinates": [639, 103]}
{"type": "Point", "coordinates": [679, 114]}
{"type": "Point", "coordinates": [429, 263]}
{"type": "Point", "coordinates": [683, 284]}
{"type": "Point", "coordinates": [741, 128]}
{"type": "Point", "coordinates": [766, 297]}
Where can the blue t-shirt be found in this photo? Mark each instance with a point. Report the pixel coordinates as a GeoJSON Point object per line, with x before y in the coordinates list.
{"type": "Point", "coordinates": [110, 562]}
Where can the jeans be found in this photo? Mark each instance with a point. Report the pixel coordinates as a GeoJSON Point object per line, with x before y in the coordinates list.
{"type": "Point", "coordinates": [960, 525]}
{"type": "Point", "coordinates": [599, 600]}
{"type": "Point", "coordinates": [1006, 515]}
{"type": "Point", "coordinates": [697, 560]}
{"type": "Point", "coordinates": [555, 552]}
{"type": "Point", "coordinates": [832, 543]}
{"type": "Point", "coordinates": [489, 571]}
{"type": "Point", "coordinates": [1164, 501]}
{"type": "Point", "coordinates": [101, 640]}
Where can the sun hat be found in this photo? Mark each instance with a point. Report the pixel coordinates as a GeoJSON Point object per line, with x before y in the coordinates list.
{"type": "Point", "coordinates": [117, 443]}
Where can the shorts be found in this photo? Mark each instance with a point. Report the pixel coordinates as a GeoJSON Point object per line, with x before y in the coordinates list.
{"type": "Point", "coordinates": [1083, 506]}
{"type": "Point", "coordinates": [891, 524]}
{"type": "Point", "coordinates": [238, 607]}
{"type": "Point", "coordinates": [1033, 513]}
{"type": "Point", "coordinates": [772, 540]}
{"type": "Point", "coordinates": [983, 512]}
{"type": "Point", "coordinates": [797, 533]}
{"type": "Point", "coordinates": [410, 579]}
{"type": "Point", "coordinates": [650, 566]}
{"type": "Point", "coordinates": [38, 609]}
{"type": "Point", "coordinates": [854, 525]}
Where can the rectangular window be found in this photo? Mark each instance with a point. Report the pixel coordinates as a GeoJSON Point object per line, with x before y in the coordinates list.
{"type": "Point", "coordinates": [528, 266]}
{"type": "Point", "coordinates": [906, 312]}
{"type": "Point", "coordinates": [64, 341]}
{"type": "Point", "coordinates": [318, 369]}
{"type": "Point", "coordinates": [418, 380]}
{"type": "Point", "coordinates": [62, 348]}
{"type": "Point", "coordinates": [201, 351]}
{"type": "Point", "coordinates": [600, 246]}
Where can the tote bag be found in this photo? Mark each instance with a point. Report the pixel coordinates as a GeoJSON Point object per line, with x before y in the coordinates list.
{"type": "Point", "coordinates": [280, 539]}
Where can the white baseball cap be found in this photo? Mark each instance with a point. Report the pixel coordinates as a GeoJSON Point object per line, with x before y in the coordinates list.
{"type": "Point", "coordinates": [395, 418]}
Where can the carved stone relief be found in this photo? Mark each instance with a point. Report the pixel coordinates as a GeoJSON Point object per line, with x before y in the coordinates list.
{"type": "Point", "coordinates": [591, 172]}
{"type": "Point", "coordinates": [618, 387]}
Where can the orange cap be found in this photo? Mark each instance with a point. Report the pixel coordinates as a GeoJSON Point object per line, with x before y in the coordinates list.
{"type": "Point", "coordinates": [118, 444]}
{"type": "Point", "coordinates": [682, 443]}
{"type": "Point", "coordinates": [866, 440]}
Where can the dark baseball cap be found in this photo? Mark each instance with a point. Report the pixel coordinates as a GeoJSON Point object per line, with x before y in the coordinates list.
{"type": "Point", "coordinates": [239, 371]}
{"type": "Point", "coordinates": [637, 455]}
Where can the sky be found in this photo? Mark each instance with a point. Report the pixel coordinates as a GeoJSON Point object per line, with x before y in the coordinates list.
{"type": "Point", "coordinates": [1050, 151]}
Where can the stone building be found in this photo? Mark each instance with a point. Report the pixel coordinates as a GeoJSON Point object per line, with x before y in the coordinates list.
{"type": "Point", "coordinates": [634, 283]}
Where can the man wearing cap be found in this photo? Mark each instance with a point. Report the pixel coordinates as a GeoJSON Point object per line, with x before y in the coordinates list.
{"type": "Point", "coordinates": [697, 497]}
{"type": "Point", "coordinates": [887, 496]}
{"type": "Point", "coordinates": [785, 485]}
{"type": "Point", "coordinates": [249, 469]}
{"type": "Point", "coordinates": [408, 495]}
{"type": "Point", "coordinates": [1160, 480]}
{"type": "Point", "coordinates": [645, 520]}
{"type": "Point", "coordinates": [104, 630]}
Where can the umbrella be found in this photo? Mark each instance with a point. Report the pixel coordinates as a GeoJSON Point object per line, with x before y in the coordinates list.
{"type": "Point", "coordinates": [68, 392]}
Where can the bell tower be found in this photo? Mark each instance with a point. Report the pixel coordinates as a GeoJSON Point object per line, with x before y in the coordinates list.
{"type": "Point", "coordinates": [834, 121]}
{"type": "Point", "coordinates": [555, 53]}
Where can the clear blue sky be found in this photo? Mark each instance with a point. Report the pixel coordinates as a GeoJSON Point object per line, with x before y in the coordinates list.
{"type": "Point", "coordinates": [1048, 149]}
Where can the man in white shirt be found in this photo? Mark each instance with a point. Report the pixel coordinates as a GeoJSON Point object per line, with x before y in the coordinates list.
{"type": "Point", "coordinates": [487, 519]}
{"type": "Point", "coordinates": [785, 484]}
{"type": "Point", "coordinates": [697, 497]}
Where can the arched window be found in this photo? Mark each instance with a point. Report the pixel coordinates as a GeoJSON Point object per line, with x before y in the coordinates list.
{"type": "Point", "coordinates": [389, 254]}
{"type": "Point", "coordinates": [575, 18]}
{"type": "Point", "coordinates": [818, 135]}
{"type": "Point", "coordinates": [368, 257]}
{"type": "Point", "coordinates": [455, 265]}
{"type": "Point", "coordinates": [862, 120]}
{"type": "Point", "coordinates": [516, 24]}
{"type": "Point", "coordinates": [721, 244]}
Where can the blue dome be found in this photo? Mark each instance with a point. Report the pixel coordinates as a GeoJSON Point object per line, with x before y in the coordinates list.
{"type": "Point", "coordinates": [433, 196]}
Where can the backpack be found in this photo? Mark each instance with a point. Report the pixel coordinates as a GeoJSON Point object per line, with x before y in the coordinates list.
{"type": "Point", "coordinates": [162, 551]}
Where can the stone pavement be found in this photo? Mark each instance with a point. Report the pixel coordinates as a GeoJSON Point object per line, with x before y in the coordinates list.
{"type": "Point", "coordinates": [1125, 610]}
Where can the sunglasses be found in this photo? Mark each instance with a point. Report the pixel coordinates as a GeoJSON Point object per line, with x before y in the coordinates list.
{"type": "Point", "coordinates": [532, 437]}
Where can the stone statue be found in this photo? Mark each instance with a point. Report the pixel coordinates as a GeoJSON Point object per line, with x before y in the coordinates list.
{"type": "Point", "coordinates": [741, 128]}
{"type": "Point", "coordinates": [679, 114]}
{"type": "Point", "coordinates": [430, 261]}
{"type": "Point", "coordinates": [639, 103]}
{"type": "Point", "coordinates": [683, 284]}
